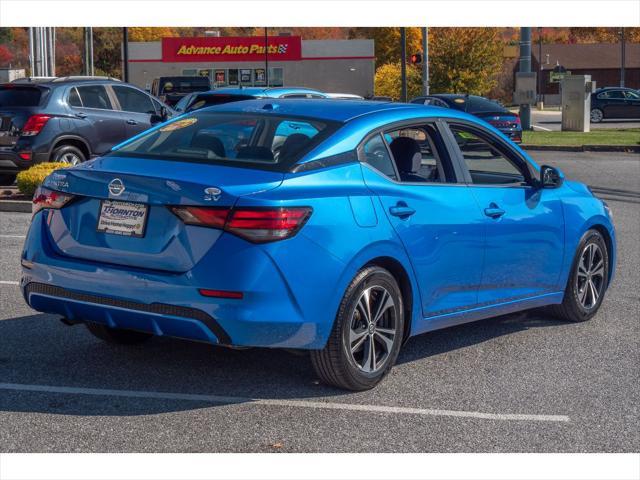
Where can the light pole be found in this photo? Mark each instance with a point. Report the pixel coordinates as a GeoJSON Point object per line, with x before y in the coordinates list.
{"type": "Point", "coordinates": [525, 67]}
{"type": "Point", "coordinates": [622, 54]}
{"type": "Point", "coordinates": [266, 56]}
{"type": "Point", "coordinates": [403, 63]}
{"type": "Point", "coordinates": [125, 54]}
{"type": "Point", "coordinates": [425, 60]}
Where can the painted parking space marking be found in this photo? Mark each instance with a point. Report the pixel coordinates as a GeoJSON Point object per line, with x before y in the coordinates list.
{"type": "Point", "coordinates": [8, 282]}
{"type": "Point", "coordinates": [12, 236]}
{"type": "Point", "coordinates": [319, 405]}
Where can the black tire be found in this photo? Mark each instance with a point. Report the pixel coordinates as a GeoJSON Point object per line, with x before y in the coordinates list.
{"type": "Point", "coordinates": [7, 179]}
{"type": "Point", "coordinates": [68, 154]}
{"type": "Point", "coordinates": [116, 335]}
{"type": "Point", "coordinates": [335, 364]}
{"type": "Point", "coordinates": [572, 307]}
{"type": "Point", "coordinates": [597, 115]}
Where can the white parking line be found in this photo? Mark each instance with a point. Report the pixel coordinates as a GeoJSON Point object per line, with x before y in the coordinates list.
{"type": "Point", "coordinates": [542, 128]}
{"type": "Point", "coordinates": [7, 282]}
{"type": "Point", "coordinates": [12, 236]}
{"type": "Point", "coordinates": [218, 399]}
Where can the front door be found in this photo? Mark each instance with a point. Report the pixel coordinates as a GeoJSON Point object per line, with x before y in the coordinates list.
{"type": "Point", "coordinates": [137, 109]}
{"type": "Point", "coordinates": [436, 218]}
{"type": "Point", "coordinates": [523, 224]}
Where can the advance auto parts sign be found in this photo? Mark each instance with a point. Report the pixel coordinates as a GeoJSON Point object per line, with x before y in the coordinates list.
{"type": "Point", "coordinates": [230, 49]}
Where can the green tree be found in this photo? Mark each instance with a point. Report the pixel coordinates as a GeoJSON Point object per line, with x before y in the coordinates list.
{"type": "Point", "coordinates": [464, 60]}
{"type": "Point", "coordinates": [388, 81]}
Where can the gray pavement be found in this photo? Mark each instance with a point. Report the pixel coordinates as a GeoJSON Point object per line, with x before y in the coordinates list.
{"type": "Point", "coordinates": [576, 386]}
{"type": "Point", "coordinates": [551, 120]}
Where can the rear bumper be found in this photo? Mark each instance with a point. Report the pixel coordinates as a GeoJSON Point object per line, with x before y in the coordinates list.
{"type": "Point", "coordinates": [10, 161]}
{"type": "Point", "coordinates": [164, 303]}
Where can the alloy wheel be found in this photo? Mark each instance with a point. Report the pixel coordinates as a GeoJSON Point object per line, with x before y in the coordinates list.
{"type": "Point", "coordinates": [590, 276]}
{"type": "Point", "coordinates": [596, 115]}
{"type": "Point", "coordinates": [70, 158]}
{"type": "Point", "coordinates": [373, 329]}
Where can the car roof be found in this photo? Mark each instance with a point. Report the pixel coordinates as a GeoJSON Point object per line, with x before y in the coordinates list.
{"type": "Point", "coordinates": [600, 89]}
{"type": "Point", "coordinates": [328, 109]}
{"type": "Point", "coordinates": [265, 91]}
{"type": "Point", "coordinates": [53, 81]}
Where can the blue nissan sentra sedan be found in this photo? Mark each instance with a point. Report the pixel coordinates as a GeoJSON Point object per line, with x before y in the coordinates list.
{"type": "Point", "coordinates": [372, 222]}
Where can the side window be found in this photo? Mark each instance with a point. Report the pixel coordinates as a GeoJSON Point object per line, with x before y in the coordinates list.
{"type": "Point", "coordinates": [94, 96]}
{"type": "Point", "coordinates": [158, 106]}
{"type": "Point", "coordinates": [420, 155]}
{"type": "Point", "coordinates": [631, 95]}
{"type": "Point", "coordinates": [74, 98]}
{"type": "Point", "coordinates": [132, 100]}
{"type": "Point", "coordinates": [486, 164]}
{"type": "Point", "coordinates": [377, 155]}
{"type": "Point", "coordinates": [612, 94]}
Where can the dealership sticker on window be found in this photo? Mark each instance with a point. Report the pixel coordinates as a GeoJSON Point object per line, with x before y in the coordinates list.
{"type": "Point", "coordinates": [177, 125]}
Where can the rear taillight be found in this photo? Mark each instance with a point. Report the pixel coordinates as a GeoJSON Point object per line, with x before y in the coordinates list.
{"type": "Point", "coordinates": [517, 120]}
{"type": "Point", "coordinates": [257, 225]}
{"type": "Point", "coordinates": [45, 198]}
{"type": "Point", "coordinates": [34, 124]}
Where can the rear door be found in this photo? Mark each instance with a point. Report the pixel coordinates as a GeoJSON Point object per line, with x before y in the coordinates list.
{"type": "Point", "coordinates": [613, 103]}
{"type": "Point", "coordinates": [17, 104]}
{"type": "Point", "coordinates": [136, 107]}
{"type": "Point", "coordinates": [523, 224]}
{"type": "Point", "coordinates": [95, 118]}
{"type": "Point", "coordinates": [436, 217]}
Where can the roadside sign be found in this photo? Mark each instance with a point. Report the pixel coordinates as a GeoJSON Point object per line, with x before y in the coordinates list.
{"type": "Point", "coordinates": [557, 77]}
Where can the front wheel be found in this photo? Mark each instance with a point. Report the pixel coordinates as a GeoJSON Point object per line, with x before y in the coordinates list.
{"type": "Point", "coordinates": [367, 333]}
{"type": "Point", "coordinates": [588, 280]}
{"type": "Point", "coordinates": [596, 115]}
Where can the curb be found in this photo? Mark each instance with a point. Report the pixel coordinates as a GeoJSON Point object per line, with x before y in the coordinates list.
{"type": "Point", "coordinates": [21, 206]}
{"type": "Point", "coordinates": [583, 148]}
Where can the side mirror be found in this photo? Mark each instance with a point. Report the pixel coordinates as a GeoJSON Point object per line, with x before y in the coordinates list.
{"type": "Point", "coordinates": [155, 118]}
{"type": "Point", "coordinates": [550, 177]}
{"type": "Point", "coordinates": [164, 114]}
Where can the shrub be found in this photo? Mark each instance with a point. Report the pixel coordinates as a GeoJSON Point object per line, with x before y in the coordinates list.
{"type": "Point", "coordinates": [30, 179]}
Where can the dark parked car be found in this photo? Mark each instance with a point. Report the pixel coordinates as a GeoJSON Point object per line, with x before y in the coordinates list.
{"type": "Point", "coordinates": [488, 110]}
{"type": "Point", "coordinates": [195, 101]}
{"type": "Point", "coordinates": [615, 102]}
{"type": "Point", "coordinates": [69, 119]}
{"type": "Point", "coordinates": [171, 89]}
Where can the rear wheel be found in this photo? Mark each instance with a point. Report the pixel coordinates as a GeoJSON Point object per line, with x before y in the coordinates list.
{"type": "Point", "coordinates": [68, 154]}
{"type": "Point", "coordinates": [596, 115]}
{"type": "Point", "coordinates": [367, 333]}
{"type": "Point", "coordinates": [7, 179]}
{"type": "Point", "coordinates": [117, 335]}
{"type": "Point", "coordinates": [588, 280]}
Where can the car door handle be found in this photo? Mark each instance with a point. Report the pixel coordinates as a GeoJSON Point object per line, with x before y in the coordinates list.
{"type": "Point", "coordinates": [81, 115]}
{"type": "Point", "coordinates": [131, 122]}
{"type": "Point", "coordinates": [402, 211]}
{"type": "Point", "coordinates": [494, 211]}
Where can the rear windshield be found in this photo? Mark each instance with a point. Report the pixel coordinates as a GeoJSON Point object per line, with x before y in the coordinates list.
{"type": "Point", "coordinates": [480, 104]}
{"type": "Point", "coordinates": [184, 85]}
{"type": "Point", "coordinates": [263, 141]}
{"type": "Point", "coordinates": [11, 96]}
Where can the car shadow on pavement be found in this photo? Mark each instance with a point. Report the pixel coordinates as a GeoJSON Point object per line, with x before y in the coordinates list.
{"type": "Point", "coordinates": [39, 350]}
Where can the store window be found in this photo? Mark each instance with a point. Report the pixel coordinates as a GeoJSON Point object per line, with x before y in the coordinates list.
{"type": "Point", "coordinates": [276, 77]}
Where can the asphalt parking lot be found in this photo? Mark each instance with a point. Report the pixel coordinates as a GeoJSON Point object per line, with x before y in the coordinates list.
{"type": "Point", "coordinates": [520, 383]}
{"type": "Point", "coordinates": [551, 121]}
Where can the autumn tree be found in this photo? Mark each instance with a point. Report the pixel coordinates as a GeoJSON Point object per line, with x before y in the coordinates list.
{"type": "Point", "coordinates": [464, 60]}
{"type": "Point", "coordinates": [387, 42]}
{"type": "Point", "coordinates": [5, 56]}
{"type": "Point", "coordinates": [151, 34]}
{"type": "Point", "coordinates": [388, 81]}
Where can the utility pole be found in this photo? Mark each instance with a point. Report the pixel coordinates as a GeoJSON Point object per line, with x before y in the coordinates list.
{"type": "Point", "coordinates": [88, 51]}
{"type": "Point", "coordinates": [622, 54]}
{"type": "Point", "coordinates": [403, 63]}
{"type": "Point", "coordinates": [525, 67]}
{"type": "Point", "coordinates": [266, 56]}
{"type": "Point", "coordinates": [32, 52]}
{"type": "Point", "coordinates": [125, 54]}
{"type": "Point", "coordinates": [425, 60]}
{"type": "Point", "coordinates": [540, 64]}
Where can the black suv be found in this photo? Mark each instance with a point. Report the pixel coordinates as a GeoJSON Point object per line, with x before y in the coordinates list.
{"type": "Point", "coordinates": [69, 119]}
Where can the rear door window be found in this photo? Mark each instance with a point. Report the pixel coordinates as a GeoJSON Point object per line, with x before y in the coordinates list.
{"type": "Point", "coordinates": [11, 96]}
{"type": "Point", "coordinates": [74, 98]}
{"type": "Point", "coordinates": [132, 100]}
{"type": "Point", "coordinates": [94, 96]}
